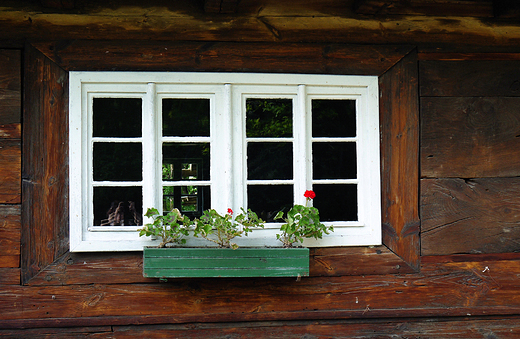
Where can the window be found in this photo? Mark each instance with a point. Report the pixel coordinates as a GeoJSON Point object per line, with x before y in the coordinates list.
{"type": "Point", "coordinates": [217, 140]}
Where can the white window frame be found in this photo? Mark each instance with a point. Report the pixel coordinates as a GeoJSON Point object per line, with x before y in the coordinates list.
{"type": "Point", "coordinates": [227, 93]}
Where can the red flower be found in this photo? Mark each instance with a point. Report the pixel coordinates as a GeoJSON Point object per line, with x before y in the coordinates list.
{"type": "Point", "coordinates": [230, 211]}
{"type": "Point", "coordinates": [309, 194]}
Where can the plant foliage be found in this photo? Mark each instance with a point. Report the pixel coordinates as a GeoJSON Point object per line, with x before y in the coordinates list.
{"type": "Point", "coordinates": [171, 228]}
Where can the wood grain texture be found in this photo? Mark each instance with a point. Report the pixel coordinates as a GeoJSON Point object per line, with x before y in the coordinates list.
{"type": "Point", "coordinates": [470, 216]}
{"type": "Point", "coordinates": [399, 119]}
{"type": "Point", "coordinates": [10, 171]}
{"type": "Point", "coordinates": [470, 137]}
{"type": "Point", "coordinates": [10, 87]}
{"type": "Point", "coordinates": [45, 158]}
{"type": "Point", "coordinates": [10, 229]}
{"type": "Point", "coordinates": [471, 78]}
{"type": "Point", "coordinates": [441, 289]}
{"type": "Point", "coordinates": [475, 8]}
{"type": "Point", "coordinates": [223, 56]}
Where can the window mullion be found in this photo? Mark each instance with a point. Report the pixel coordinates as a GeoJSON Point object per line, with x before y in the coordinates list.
{"type": "Point", "coordinates": [151, 149]}
{"type": "Point", "coordinates": [301, 145]}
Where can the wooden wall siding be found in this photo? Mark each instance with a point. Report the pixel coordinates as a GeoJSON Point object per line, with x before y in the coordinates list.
{"type": "Point", "coordinates": [470, 216]}
{"type": "Point", "coordinates": [456, 328]}
{"type": "Point", "coordinates": [474, 8]}
{"type": "Point", "coordinates": [460, 23]}
{"type": "Point", "coordinates": [10, 87]}
{"type": "Point", "coordinates": [470, 137]}
{"type": "Point", "coordinates": [470, 142]}
{"type": "Point", "coordinates": [452, 286]}
{"type": "Point", "coordinates": [45, 159]}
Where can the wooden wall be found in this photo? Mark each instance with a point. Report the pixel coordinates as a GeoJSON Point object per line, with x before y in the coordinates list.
{"type": "Point", "coordinates": [468, 282]}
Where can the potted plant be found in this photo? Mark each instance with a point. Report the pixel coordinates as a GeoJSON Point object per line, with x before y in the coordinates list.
{"type": "Point", "coordinates": [228, 260]}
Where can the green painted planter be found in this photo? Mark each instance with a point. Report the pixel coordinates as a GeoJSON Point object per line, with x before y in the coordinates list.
{"type": "Point", "coordinates": [183, 262]}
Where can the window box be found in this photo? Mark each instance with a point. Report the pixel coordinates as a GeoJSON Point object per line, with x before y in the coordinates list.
{"type": "Point", "coordinates": [210, 262]}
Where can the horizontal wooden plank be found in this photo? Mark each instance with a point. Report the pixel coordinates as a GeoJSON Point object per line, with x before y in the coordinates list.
{"type": "Point", "coordinates": [454, 56]}
{"type": "Point", "coordinates": [11, 131]}
{"type": "Point", "coordinates": [474, 8]}
{"type": "Point", "coordinates": [9, 261]}
{"type": "Point", "coordinates": [10, 87]}
{"type": "Point", "coordinates": [470, 137]}
{"type": "Point", "coordinates": [441, 289]}
{"type": "Point", "coordinates": [121, 268]}
{"type": "Point", "coordinates": [10, 171]}
{"type": "Point", "coordinates": [237, 57]}
{"type": "Point", "coordinates": [470, 216]}
{"type": "Point", "coordinates": [473, 78]}
{"type": "Point", "coordinates": [10, 276]}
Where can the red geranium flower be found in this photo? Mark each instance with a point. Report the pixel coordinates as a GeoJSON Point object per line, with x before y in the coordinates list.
{"type": "Point", "coordinates": [309, 194]}
{"type": "Point", "coordinates": [230, 211]}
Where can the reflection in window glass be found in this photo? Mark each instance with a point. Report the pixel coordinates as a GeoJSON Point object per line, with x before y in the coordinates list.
{"type": "Point", "coordinates": [268, 118]}
{"type": "Point", "coordinates": [117, 161]}
{"type": "Point", "coordinates": [334, 160]}
{"type": "Point", "coordinates": [268, 160]}
{"type": "Point", "coordinates": [185, 117]}
{"type": "Point", "coordinates": [117, 117]}
{"type": "Point", "coordinates": [185, 161]}
{"type": "Point", "coordinates": [118, 206]}
{"type": "Point", "coordinates": [336, 202]}
{"type": "Point", "coordinates": [190, 200]}
{"type": "Point", "coordinates": [333, 118]}
{"type": "Point", "coordinates": [268, 200]}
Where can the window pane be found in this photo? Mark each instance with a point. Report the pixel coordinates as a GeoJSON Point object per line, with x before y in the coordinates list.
{"type": "Point", "coordinates": [269, 118]}
{"type": "Point", "coordinates": [117, 117]}
{"type": "Point", "coordinates": [117, 161]}
{"type": "Point", "coordinates": [269, 160]}
{"type": "Point", "coordinates": [333, 118]}
{"type": "Point", "coordinates": [334, 160]}
{"type": "Point", "coordinates": [190, 200]}
{"type": "Point", "coordinates": [185, 161]}
{"type": "Point", "coordinates": [268, 200]}
{"type": "Point", "coordinates": [336, 202]}
{"type": "Point", "coordinates": [118, 206]}
{"type": "Point", "coordinates": [185, 117]}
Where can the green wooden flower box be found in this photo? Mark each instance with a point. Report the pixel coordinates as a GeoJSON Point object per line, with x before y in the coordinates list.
{"type": "Point", "coordinates": [185, 262]}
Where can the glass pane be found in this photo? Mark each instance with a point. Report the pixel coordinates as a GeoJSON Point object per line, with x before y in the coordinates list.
{"type": "Point", "coordinates": [118, 206]}
{"type": "Point", "coordinates": [190, 200]}
{"type": "Point", "coordinates": [334, 160]}
{"type": "Point", "coordinates": [333, 118]}
{"type": "Point", "coordinates": [117, 117]}
{"type": "Point", "coordinates": [269, 160]}
{"type": "Point", "coordinates": [117, 161]}
{"type": "Point", "coordinates": [268, 118]}
{"type": "Point", "coordinates": [185, 117]}
{"type": "Point", "coordinates": [336, 202]}
{"type": "Point", "coordinates": [185, 161]}
{"type": "Point", "coordinates": [268, 200]}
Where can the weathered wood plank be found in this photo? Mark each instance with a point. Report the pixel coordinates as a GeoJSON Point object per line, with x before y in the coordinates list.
{"type": "Point", "coordinates": [10, 228]}
{"type": "Point", "coordinates": [11, 131]}
{"type": "Point", "coordinates": [441, 289]}
{"type": "Point", "coordinates": [9, 261]}
{"type": "Point", "coordinates": [470, 137]}
{"type": "Point", "coordinates": [126, 268]}
{"type": "Point", "coordinates": [474, 8]}
{"type": "Point", "coordinates": [9, 276]}
{"type": "Point", "coordinates": [471, 78]}
{"type": "Point", "coordinates": [399, 119]}
{"type": "Point", "coordinates": [10, 87]}
{"type": "Point", "coordinates": [236, 57]}
{"type": "Point", "coordinates": [454, 56]}
{"type": "Point", "coordinates": [45, 171]}
{"type": "Point", "coordinates": [470, 216]}
{"type": "Point", "coordinates": [10, 171]}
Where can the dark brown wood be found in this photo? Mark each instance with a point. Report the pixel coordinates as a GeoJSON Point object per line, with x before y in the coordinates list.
{"type": "Point", "coordinates": [10, 228]}
{"type": "Point", "coordinates": [9, 276]}
{"type": "Point", "coordinates": [10, 87]}
{"type": "Point", "coordinates": [229, 57]}
{"type": "Point", "coordinates": [470, 137]}
{"type": "Point", "coordinates": [492, 78]}
{"type": "Point", "coordinates": [440, 289]}
{"type": "Point", "coordinates": [470, 216]}
{"type": "Point", "coordinates": [10, 171]}
{"type": "Point", "coordinates": [509, 9]}
{"type": "Point", "coordinates": [45, 170]}
{"type": "Point", "coordinates": [126, 268]}
{"type": "Point", "coordinates": [11, 131]}
{"type": "Point", "coordinates": [474, 8]}
{"type": "Point", "coordinates": [220, 6]}
{"type": "Point", "coordinates": [399, 120]}
{"type": "Point", "coordinates": [453, 56]}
